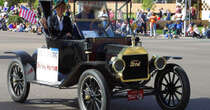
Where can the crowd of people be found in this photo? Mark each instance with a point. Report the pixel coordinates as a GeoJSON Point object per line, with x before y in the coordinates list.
{"type": "Point", "coordinates": [138, 25]}
{"type": "Point", "coordinates": [174, 26]}
{"type": "Point", "coordinates": [18, 26]}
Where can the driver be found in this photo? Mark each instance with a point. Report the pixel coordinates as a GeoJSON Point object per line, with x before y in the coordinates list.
{"type": "Point", "coordinates": [59, 26]}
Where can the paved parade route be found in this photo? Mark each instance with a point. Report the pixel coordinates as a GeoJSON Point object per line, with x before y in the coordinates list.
{"type": "Point", "coordinates": [196, 62]}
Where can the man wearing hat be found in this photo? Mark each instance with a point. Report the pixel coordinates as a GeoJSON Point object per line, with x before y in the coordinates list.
{"type": "Point", "coordinates": [59, 26]}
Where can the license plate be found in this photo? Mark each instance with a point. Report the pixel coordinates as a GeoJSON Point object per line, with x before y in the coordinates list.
{"type": "Point", "coordinates": [135, 94]}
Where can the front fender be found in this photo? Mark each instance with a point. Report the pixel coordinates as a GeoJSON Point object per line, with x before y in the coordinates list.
{"type": "Point", "coordinates": [27, 62]}
{"type": "Point", "coordinates": [74, 76]}
{"type": "Point", "coordinates": [23, 56]}
{"type": "Point", "coordinates": [173, 57]}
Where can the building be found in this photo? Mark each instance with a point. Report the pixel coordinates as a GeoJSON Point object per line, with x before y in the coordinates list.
{"type": "Point", "coordinates": [202, 6]}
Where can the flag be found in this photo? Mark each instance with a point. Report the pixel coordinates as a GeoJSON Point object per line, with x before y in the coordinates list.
{"type": "Point", "coordinates": [28, 15]}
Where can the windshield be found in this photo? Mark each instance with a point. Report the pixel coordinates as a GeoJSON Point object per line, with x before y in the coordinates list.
{"type": "Point", "coordinates": [96, 19]}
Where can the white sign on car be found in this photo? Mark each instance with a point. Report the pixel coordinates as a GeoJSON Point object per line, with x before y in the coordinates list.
{"type": "Point", "coordinates": [47, 65]}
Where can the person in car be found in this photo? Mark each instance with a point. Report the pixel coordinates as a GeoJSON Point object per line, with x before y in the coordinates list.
{"type": "Point", "coordinates": [87, 12]}
{"type": "Point", "coordinates": [58, 25]}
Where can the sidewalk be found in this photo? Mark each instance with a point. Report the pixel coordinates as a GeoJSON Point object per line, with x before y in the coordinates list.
{"type": "Point", "coordinates": [163, 37]}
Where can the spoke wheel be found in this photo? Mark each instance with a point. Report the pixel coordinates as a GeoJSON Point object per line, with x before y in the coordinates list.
{"type": "Point", "coordinates": [93, 91]}
{"type": "Point", "coordinates": [174, 88]}
{"type": "Point", "coordinates": [17, 86]}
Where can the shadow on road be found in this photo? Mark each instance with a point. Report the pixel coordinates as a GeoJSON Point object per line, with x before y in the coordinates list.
{"type": "Point", "coordinates": [72, 104]}
{"type": "Point", "coordinates": [41, 104]}
{"type": "Point", "coordinates": [199, 104]}
{"type": "Point", "coordinates": [7, 57]}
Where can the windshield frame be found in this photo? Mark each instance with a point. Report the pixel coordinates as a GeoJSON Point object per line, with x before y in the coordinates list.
{"type": "Point", "coordinates": [126, 3]}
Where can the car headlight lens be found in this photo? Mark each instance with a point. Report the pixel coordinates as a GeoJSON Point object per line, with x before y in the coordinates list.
{"type": "Point", "coordinates": [118, 64]}
{"type": "Point", "coordinates": [160, 63]}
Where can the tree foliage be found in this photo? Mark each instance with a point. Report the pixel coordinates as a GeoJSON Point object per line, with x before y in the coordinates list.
{"type": "Point", "coordinates": [137, 1]}
{"type": "Point", "coordinates": [31, 3]}
{"type": "Point", "coordinates": [36, 3]}
{"type": "Point", "coordinates": [15, 19]}
{"type": "Point", "coordinates": [15, 2]}
{"type": "Point", "coordinates": [147, 4]}
{"type": "Point", "coordinates": [1, 2]}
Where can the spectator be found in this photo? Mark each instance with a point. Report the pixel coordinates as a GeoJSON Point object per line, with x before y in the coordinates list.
{"type": "Point", "coordinates": [144, 23]}
{"type": "Point", "coordinates": [190, 30]}
{"type": "Point", "coordinates": [178, 8]}
{"type": "Point", "coordinates": [168, 15]}
{"type": "Point", "coordinates": [137, 14]}
{"type": "Point", "coordinates": [103, 14]}
{"type": "Point", "coordinates": [160, 13]}
{"type": "Point", "coordinates": [179, 28]}
{"type": "Point", "coordinates": [178, 16]}
{"type": "Point", "coordinates": [153, 20]}
{"type": "Point", "coordinates": [196, 32]}
{"type": "Point", "coordinates": [111, 15]}
{"type": "Point", "coordinates": [192, 12]}
{"type": "Point", "coordinates": [149, 13]}
{"type": "Point", "coordinates": [204, 31]}
{"type": "Point", "coordinates": [120, 16]}
{"type": "Point", "coordinates": [166, 27]}
{"type": "Point", "coordinates": [124, 26]}
{"type": "Point", "coordinates": [172, 30]}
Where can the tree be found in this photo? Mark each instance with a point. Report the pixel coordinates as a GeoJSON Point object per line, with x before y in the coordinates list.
{"type": "Point", "coordinates": [14, 2]}
{"type": "Point", "coordinates": [137, 1]}
{"type": "Point", "coordinates": [1, 2]}
{"type": "Point", "coordinates": [147, 4]}
{"type": "Point", "coordinates": [31, 3]}
{"type": "Point", "coordinates": [36, 3]}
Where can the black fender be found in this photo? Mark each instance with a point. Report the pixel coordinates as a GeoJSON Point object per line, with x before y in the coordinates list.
{"type": "Point", "coordinates": [173, 57]}
{"type": "Point", "coordinates": [23, 56]}
{"type": "Point", "coordinates": [28, 63]}
{"type": "Point", "coordinates": [73, 77]}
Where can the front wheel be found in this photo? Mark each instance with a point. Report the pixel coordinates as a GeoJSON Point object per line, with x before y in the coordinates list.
{"type": "Point", "coordinates": [93, 92]}
{"type": "Point", "coordinates": [173, 88]}
{"type": "Point", "coordinates": [16, 80]}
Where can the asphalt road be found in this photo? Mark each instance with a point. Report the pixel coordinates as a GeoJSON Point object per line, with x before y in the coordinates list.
{"type": "Point", "coordinates": [196, 62]}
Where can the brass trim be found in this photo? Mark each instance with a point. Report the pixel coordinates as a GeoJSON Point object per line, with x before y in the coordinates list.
{"type": "Point", "coordinates": [133, 51]}
{"type": "Point", "coordinates": [155, 62]}
{"type": "Point", "coordinates": [114, 61]}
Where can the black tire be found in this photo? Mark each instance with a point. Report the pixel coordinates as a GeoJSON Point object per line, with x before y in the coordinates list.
{"type": "Point", "coordinates": [16, 81]}
{"type": "Point", "coordinates": [173, 88]}
{"type": "Point", "coordinates": [93, 92]}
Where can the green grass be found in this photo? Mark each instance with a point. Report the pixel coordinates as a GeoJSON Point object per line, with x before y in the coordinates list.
{"type": "Point", "coordinates": [160, 31]}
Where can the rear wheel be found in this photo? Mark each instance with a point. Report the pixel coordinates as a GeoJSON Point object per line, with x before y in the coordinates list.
{"type": "Point", "coordinates": [174, 88]}
{"type": "Point", "coordinates": [16, 80]}
{"type": "Point", "coordinates": [93, 92]}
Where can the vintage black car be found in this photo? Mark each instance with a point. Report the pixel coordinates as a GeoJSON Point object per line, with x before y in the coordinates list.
{"type": "Point", "coordinates": [103, 64]}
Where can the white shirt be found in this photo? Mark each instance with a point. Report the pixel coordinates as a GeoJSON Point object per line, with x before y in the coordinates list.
{"type": "Point", "coordinates": [196, 30]}
{"type": "Point", "coordinates": [178, 16]}
{"type": "Point", "coordinates": [60, 21]}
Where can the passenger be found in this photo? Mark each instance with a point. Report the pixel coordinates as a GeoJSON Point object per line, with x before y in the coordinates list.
{"type": "Point", "coordinates": [87, 12]}
{"type": "Point", "coordinates": [59, 26]}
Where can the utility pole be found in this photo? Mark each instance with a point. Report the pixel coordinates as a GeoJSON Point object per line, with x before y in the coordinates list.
{"type": "Point", "coordinates": [185, 18]}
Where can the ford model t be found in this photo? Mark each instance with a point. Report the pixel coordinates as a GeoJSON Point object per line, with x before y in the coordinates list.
{"type": "Point", "coordinates": [103, 61]}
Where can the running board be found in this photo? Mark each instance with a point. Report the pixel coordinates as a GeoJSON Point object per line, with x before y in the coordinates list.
{"type": "Point", "coordinates": [52, 84]}
{"type": "Point", "coordinates": [45, 83]}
